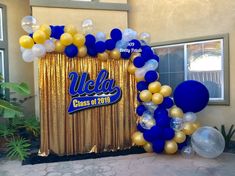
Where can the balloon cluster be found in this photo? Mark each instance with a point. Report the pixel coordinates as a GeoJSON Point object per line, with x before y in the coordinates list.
{"type": "Point", "coordinates": [73, 43]}
{"type": "Point", "coordinates": [165, 124]}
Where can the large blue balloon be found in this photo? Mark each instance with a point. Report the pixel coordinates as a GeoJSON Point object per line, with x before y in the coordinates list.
{"type": "Point", "coordinates": [158, 146]}
{"type": "Point", "coordinates": [71, 51]}
{"type": "Point", "coordinates": [191, 96]}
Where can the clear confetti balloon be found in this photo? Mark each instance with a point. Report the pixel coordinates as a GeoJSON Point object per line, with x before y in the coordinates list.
{"type": "Point", "coordinates": [87, 26]}
{"type": "Point", "coordinates": [150, 106]}
{"type": "Point", "coordinates": [176, 123]}
{"type": "Point", "coordinates": [187, 152]}
{"type": "Point", "coordinates": [190, 117]}
{"type": "Point", "coordinates": [208, 142]}
{"type": "Point", "coordinates": [29, 24]}
{"type": "Point", "coordinates": [145, 38]}
{"type": "Point", "coordinates": [146, 120]}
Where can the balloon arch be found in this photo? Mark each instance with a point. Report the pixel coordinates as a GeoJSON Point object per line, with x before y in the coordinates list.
{"type": "Point", "coordinates": [166, 123]}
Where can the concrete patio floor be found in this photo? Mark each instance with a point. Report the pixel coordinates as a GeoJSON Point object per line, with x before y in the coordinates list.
{"type": "Point", "coordinates": [131, 165]}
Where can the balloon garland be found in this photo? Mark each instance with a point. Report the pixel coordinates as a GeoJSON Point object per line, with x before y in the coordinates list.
{"type": "Point", "coordinates": [164, 124]}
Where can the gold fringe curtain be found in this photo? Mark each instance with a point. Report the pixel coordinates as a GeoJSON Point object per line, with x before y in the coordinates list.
{"type": "Point", "coordinates": [103, 128]}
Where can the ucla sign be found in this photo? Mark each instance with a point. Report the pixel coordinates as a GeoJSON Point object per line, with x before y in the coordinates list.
{"type": "Point", "coordinates": [88, 93]}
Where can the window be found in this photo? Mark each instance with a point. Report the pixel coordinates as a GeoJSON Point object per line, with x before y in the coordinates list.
{"type": "Point", "coordinates": [3, 43]}
{"type": "Point", "coordinates": [203, 59]}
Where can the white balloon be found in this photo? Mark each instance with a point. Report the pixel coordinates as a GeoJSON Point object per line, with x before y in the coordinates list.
{"type": "Point", "coordinates": [39, 50]}
{"type": "Point", "coordinates": [29, 24]}
{"type": "Point", "coordinates": [22, 49]}
{"type": "Point", "coordinates": [140, 72]}
{"type": "Point", "coordinates": [189, 117]}
{"type": "Point", "coordinates": [129, 34]}
{"type": "Point", "coordinates": [100, 36]}
{"type": "Point", "coordinates": [28, 56]}
{"type": "Point", "coordinates": [49, 45]}
{"type": "Point", "coordinates": [87, 26]}
{"type": "Point", "coordinates": [151, 64]}
{"type": "Point", "coordinates": [145, 38]}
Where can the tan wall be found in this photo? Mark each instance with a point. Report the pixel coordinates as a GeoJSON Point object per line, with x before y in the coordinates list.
{"type": "Point", "coordinates": [114, 1]}
{"type": "Point", "coordinates": [19, 71]}
{"type": "Point", "coordinates": [103, 21]}
{"type": "Point", "coordinates": [170, 20]}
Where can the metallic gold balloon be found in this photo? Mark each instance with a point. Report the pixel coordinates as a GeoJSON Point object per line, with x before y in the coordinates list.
{"type": "Point", "coordinates": [59, 47]}
{"type": "Point", "coordinates": [139, 79]}
{"type": "Point", "coordinates": [166, 91]}
{"type": "Point", "coordinates": [103, 56]}
{"type": "Point", "coordinates": [79, 40]}
{"type": "Point", "coordinates": [170, 147]}
{"type": "Point", "coordinates": [148, 147]}
{"type": "Point", "coordinates": [131, 68]}
{"type": "Point", "coordinates": [145, 95]}
{"type": "Point", "coordinates": [82, 52]}
{"type": "Point", "coordinates": [154, 87]}
{"type": "Point", "coordinates": [46, 29]}
{"type": "Point", "coordinates": [157, 98]}
{"type": "Point", "coordinates": [179, 137]}
{"type": "Point", "coordinates": [66, 39]}
{"type": "Point", "coordinates": [71, 29]}
{"type": "Point", "coordinates": [176, 112]}
{"type": "Point", "coordinates": [26, 41]}
{"type": "Point", "coordinates": [115, 54]}
{"type": "Point", "coordinates": [138, 138]}
{"type": "Point", "coordinates": [196, 125]}
{"type": "Point", "coordinates": [188, 128]}
{"type": "Point", "coordinates": [134, 55]}
{"type": "Point", "coordinates": [39, 37]}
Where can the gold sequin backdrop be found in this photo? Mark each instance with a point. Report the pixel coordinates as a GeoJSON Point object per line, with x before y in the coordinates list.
{"type": "Point", "coordinates": [98, 129]}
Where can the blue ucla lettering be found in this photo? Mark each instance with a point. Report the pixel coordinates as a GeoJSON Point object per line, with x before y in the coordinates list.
{"type": "Point", "coordinates": [80, 85]}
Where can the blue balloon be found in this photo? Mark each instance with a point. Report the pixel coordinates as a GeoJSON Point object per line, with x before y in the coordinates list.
{"type": "Point", "coordinates": [57, 31]}
{"type": "Point", "coordinates": [71, 51]}
{"type": "Point", "coordinates": [183, 144]}
{"type": "Point", "coordinates": [155, 57]}
{"type": "Point", "coordinates": [167, 103]}
{"type": "Point", "coordinates": [158, 146]}
{"type": "Point", "coordinates": [147, 52]}
{"type": "Point", "coordinates": [140, 128]}
{"type": "Point", "coordinates": [91, 51]}
{"type": "Point", "coordinates": [160, 112]}
{"type": "Point", "coordinates": [90, 40]}
{"type": "Point", "coordinates": [142, 85]}
{"type": "Point", "coordinates": [116, 34]}
{"type": "Point", "coordinates": [121, 45]}
{"type": "Point", "coordinates": [151, 76]}
{"type": "Point", "coordinates": [163, 122]}
{"type": "Point", "coordinates": [140, 110]}
{"type": "Point", "coordinates": [100, 47]}
{"type": "Point", "coordinates": [139, 62]}
{"type": "Point", "coordinates": [191, 96]}
{"type": "Point", "coordinates": [153, 134]}
{"type": "Point", "coordinates": [110, 44]}
{"type": "Point", "coordinates": [135, 44]}
{"type": "Point", "coordinates": [126, 54]}
{"type": "Point", "coordinates": [168, 133]}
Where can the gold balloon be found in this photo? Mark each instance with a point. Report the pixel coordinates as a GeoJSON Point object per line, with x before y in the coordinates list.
{"type": "Point", "coordinates": [71, 29]}
{"type": "Point", "coordinates": [188, 128]}
{"type": "Point", "coordinates": [59, 47]}
{"type": "Point", "coordinates": [79, 40]}
{"type": "Point", "coordinates": [103, 56]}
{"type": "Point", "coordinates": [82, 52]}
{"type": "Point", "coordinates": [115, 54]}
{"type": "Point", "coordinates": [166, 91]}
{"type": "Point", "coordinates": [131, 68]}
{"type": "Point", "coordinates": [196, 125]}
{"type": "Point", "coordinates": [148, 147]}
{"type": "Point", "coordinates": [134, 55]}
{"type": "Point", "coordinates": [39, 37]}
{"type": "Point", "coordinates": [46, 29]}
{"type": "Point", "coordinates": [170, 147]}
{"type": "Point", "coordinates": [179, 137]}
{"type": "Point", "coordinates": [157, 98]}
{"type": "Point", "coordinates": [154, 87]}
{"type": "Point", "coordinates": [138, 138]}
{"type": "Point", "coordinates": [139, 79]}
{"type": "Point", "coordinates": [26, 41]}
{"type": "Point", "coordinates": [66, 39]}
{"type": "Point", "coordinates": [145, 95]}
{"type": "Point", "coordinates": [176, 112]}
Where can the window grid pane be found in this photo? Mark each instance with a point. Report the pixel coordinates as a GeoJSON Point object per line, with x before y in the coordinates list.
{"type": "Point", "coordinates": [1, 26]}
